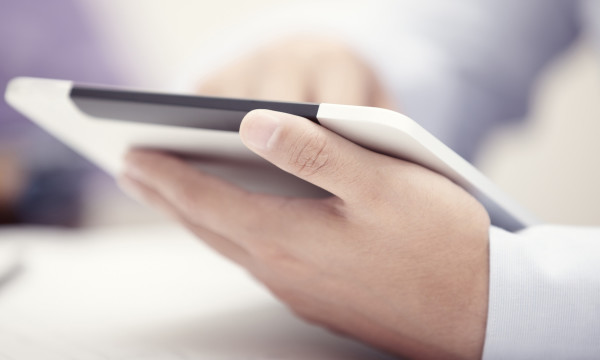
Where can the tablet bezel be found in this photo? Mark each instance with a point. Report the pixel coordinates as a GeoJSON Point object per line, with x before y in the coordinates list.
{"type": "Point", "coordinates": [104, 123]}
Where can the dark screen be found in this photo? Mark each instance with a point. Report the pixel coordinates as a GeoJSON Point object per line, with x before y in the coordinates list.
{"type": "Point", "coordinates": [202, 112]}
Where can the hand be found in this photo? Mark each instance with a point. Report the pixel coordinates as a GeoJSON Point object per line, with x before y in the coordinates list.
{"type": "Point", "coordinates": [11, 184]}
{"type": "Point", "coordinates": [307, 69]}
{"type": "Point", "coordinates": [397, 257]}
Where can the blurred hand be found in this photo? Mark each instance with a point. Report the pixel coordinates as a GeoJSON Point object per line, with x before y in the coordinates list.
{"type": "Point", "coordinates": [11, 182]}
{"type": "Point", "coordinates": [397, 257]}
{"type": "Point", "coordinates": [308, 69]}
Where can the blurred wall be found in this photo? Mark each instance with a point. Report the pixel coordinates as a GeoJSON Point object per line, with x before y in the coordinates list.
{"type": "Point", "coordinates": [549, 164]}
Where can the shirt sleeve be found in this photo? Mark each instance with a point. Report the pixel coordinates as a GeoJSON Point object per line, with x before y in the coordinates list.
{"type": "Point", "coordinates": [544, 299]}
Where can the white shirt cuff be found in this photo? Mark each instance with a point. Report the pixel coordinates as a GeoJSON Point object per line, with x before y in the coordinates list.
{"type": "Point", "coordinates": [544, 300]}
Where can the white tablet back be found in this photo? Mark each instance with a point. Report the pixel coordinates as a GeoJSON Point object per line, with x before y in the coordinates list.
{"type": "Point", "coordinates": [105, 141]}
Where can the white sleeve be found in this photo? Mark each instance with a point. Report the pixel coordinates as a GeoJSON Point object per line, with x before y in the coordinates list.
{"type": "Point", "coordinates": [544, 300]}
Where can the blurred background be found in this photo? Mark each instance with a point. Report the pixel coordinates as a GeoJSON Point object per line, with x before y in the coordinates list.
{"type": "Point", "coordinates": [547, 163]}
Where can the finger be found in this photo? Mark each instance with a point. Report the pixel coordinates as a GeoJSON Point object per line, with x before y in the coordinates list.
{"type": "Point", "coordinates": [260, 224]}
{"type": "Point", "coordinates": [225, 247]}
{"type": "Point", "coordinates": [381, 97]}
{"type": "Point", "coordinates": [341, 80]}
{"type": "Point", "coordinates": [282, 79]}
{"type": "Point", "coordinates": [204, 200]}
{"type": "Point", "coordinates": [310, 152]}
{"type": "Point", "coordinates": [209, 87]}
{"type": "Point", "coordinates": [233, 81]}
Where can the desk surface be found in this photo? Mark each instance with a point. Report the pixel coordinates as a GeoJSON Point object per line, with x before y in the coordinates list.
{"type": "Point", "coordinates": [147, 293]}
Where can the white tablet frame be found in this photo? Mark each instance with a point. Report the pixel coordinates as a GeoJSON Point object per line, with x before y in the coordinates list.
{"type": "Point", "coordinates": [47, 102]}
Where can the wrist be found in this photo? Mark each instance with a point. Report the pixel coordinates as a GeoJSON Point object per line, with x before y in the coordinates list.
{"type": "Point", "coordinates": [452, 301]}
{"type": "Point", "coordinates": [464, 305]}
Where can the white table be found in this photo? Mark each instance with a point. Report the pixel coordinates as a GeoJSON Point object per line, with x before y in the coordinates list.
{"type": "Point", "coordinates": [146, 293]}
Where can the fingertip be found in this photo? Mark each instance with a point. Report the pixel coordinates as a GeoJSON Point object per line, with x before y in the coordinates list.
{"type": "Point", "coordinates": [260, 128]}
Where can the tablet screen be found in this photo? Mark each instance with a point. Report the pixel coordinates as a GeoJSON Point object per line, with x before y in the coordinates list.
{"type": "Point", "coordinates": [213, 113]}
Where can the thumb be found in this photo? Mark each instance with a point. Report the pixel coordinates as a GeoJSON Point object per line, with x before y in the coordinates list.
{"type": "Point", "coordinates": [308, 151]}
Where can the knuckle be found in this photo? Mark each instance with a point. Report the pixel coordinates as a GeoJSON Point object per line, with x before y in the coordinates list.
{"type": "Point", "coordinates": [273, 259]}
{"type": "Point", "coordinates": [310, 155]}
{"type": "Point", "coordinates": [338, 54]}
{"type": "Point", "coordinates": [275, 264]}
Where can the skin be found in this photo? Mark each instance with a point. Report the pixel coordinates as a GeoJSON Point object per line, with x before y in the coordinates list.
{"type": "Point", "coordinates": [397, 257]}
{"type": "Point", "coordinates": [300, 69]}
{"type": "Point", "coordinates": [11, 181]}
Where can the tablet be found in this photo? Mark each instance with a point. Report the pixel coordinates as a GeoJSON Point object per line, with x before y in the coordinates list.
{"type": "Point", "coordinates": [103, 123]}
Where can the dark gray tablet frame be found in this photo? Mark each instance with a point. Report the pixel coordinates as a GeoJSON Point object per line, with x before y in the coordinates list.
{"type": "Point", "coordinates": [203, 112]}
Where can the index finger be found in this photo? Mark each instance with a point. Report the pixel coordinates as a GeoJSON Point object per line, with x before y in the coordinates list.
{"type": "Point", "coordinates": [204, 200]}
